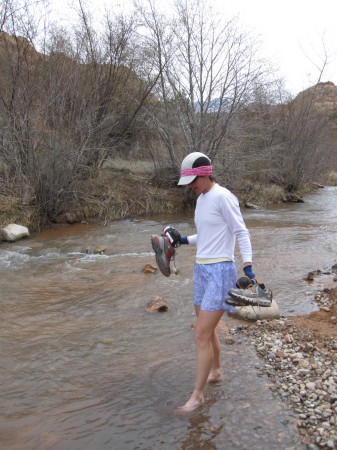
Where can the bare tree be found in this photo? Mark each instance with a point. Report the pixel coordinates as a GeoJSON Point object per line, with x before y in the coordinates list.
{"type": "Point", "coordinates": [67, 108]}
{"type": "Point", "coordinates": [209, 72]}
{"type": "Point", "coordinates": [4, 13]}
{"type": "Point", "coordinates": [158, 39]}
{"type": "Point", "coordinates": [303, 133]}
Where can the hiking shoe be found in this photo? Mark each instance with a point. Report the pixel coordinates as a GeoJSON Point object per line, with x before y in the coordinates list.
{"type": "Point", "coordinates": [164, 252]}
{"type": "Point", "coordinates": [238, 302]}
{"type": "Point", "coordinates": [233, 301]}
{"type": "Point", "coordinates": [256, 294]}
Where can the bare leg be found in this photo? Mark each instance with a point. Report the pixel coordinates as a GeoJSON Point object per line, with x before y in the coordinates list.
{"type": "Point", "coordinates": [215, 374]}
{"type": "Point", "coordinates": [205, 341]}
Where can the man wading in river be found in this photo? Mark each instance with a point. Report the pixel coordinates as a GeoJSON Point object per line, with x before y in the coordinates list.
{"type": "Point", "coordinates": [219, 223]}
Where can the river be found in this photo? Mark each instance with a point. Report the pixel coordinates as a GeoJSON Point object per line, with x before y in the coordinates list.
{"type": "Point", "coordinates": [84, 366]}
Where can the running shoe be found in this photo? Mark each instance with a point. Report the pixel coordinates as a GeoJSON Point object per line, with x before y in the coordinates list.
{"type": "Point", "coordinates": [256, 294]}
{"type": "Point", "coordinates": [164, 252]}
{"type": "Point", "coordinates": [233, 302]}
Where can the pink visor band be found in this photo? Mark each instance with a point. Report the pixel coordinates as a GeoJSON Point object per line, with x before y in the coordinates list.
{"type": "Point", "coordinates": [202, 171]}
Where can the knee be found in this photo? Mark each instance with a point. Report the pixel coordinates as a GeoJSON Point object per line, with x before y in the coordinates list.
{"type": "Point", "coordinates": [200, 338]}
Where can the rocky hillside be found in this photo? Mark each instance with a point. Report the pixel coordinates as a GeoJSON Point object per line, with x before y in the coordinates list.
{"type": "Point", "coordinates": [324, 96]}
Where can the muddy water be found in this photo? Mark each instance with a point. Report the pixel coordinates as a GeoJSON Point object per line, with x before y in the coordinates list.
{"type": "Point", "coordinates": [83, 366]}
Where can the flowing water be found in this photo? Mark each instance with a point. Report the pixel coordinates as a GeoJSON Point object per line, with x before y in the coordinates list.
{"type": "Point", "coordinates": [84, 366]}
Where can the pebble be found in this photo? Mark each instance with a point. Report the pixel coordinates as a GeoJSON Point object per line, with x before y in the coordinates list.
{"type": "Point", "coordinates": [303, 373]}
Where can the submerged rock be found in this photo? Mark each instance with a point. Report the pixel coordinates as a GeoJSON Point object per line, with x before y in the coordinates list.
{"type": "Point", "coordinates": [157, 304]}
{"type": "Point", "coordinates": [98, 250]}
{"type": "Point", "coordinates": [251, 206]}
{"type": "Point", "coordinates": [292, 198]}
{"type": "Point", "coordinates": [149, 268]}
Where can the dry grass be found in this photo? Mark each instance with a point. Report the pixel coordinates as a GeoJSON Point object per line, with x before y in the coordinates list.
{"type": "Point", "coordinates": [116, 195]}
{"type": "Point", "coordinates": [262, 195]}
{"type": "Point", "coordinates": [12, 211]}
{"type": "Point", "coordinates": [110, 195]}
{"type": "Point", "coordinates": [131, 166]}
{"type": "Point", "coordinates": [332, 179]}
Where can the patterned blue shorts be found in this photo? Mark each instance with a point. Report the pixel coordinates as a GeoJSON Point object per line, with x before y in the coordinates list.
{"type": "Point", "coordinates": [211, 283]}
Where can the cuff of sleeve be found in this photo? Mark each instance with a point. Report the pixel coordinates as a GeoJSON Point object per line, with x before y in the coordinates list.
{"type": "Point", "coordinates": [184, 240]}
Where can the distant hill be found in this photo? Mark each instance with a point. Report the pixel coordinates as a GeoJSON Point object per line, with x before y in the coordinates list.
{"type": "Point", "coordinates": [213, 105]}
{"type": "Point", "coordinates": [324, 96]}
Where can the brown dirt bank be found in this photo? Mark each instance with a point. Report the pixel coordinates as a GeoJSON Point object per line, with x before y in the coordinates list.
{"type": "Point", "coordinates": [112, 195]}
{"type": "Point", "coordinates": [323, 323]}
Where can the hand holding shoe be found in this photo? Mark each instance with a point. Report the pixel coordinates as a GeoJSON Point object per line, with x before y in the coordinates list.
{"type": "Point", "coordinates": [249, 273]}
{"type": "Point", "coordinates": [174, 236]}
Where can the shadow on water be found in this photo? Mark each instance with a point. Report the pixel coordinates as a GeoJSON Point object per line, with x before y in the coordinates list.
{"type": "Point", "coordinates": [84, 366]}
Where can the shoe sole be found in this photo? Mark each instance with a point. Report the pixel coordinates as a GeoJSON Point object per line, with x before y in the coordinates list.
{"type": "Point", "coordinates": [231, 301]}
{"type": "Point", "coordinates": [161, 258]}
{"type": "Point", "coordinates": [242, 300]}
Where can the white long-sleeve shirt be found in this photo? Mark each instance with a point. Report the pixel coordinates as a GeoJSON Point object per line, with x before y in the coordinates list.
{"type": "Point", "coordinates": [219, 223]}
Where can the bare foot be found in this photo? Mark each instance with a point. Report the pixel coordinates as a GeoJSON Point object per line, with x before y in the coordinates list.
{"type": "Point", "coordinates": [214, 376]}
{"type": "Point", "coordinates": [189, 406]}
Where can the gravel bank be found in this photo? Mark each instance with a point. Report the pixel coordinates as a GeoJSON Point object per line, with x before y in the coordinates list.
{"type": "Point", "coordinates": [300, 360]}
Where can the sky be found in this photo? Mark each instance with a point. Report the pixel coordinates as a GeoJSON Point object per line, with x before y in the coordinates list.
{"type": "Point", "coordinates": [295, 34]}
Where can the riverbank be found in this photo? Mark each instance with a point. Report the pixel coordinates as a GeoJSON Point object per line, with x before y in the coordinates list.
{"type": "Point", "coordinates": [127, 189]}
{"type": "Point", "coordinates": [300, 360]}
{"type": "Point", "coordinates": [112, 195]}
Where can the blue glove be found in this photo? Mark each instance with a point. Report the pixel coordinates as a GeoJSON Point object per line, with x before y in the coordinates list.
{"type": "Point", "coordinates": [249, 273]}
